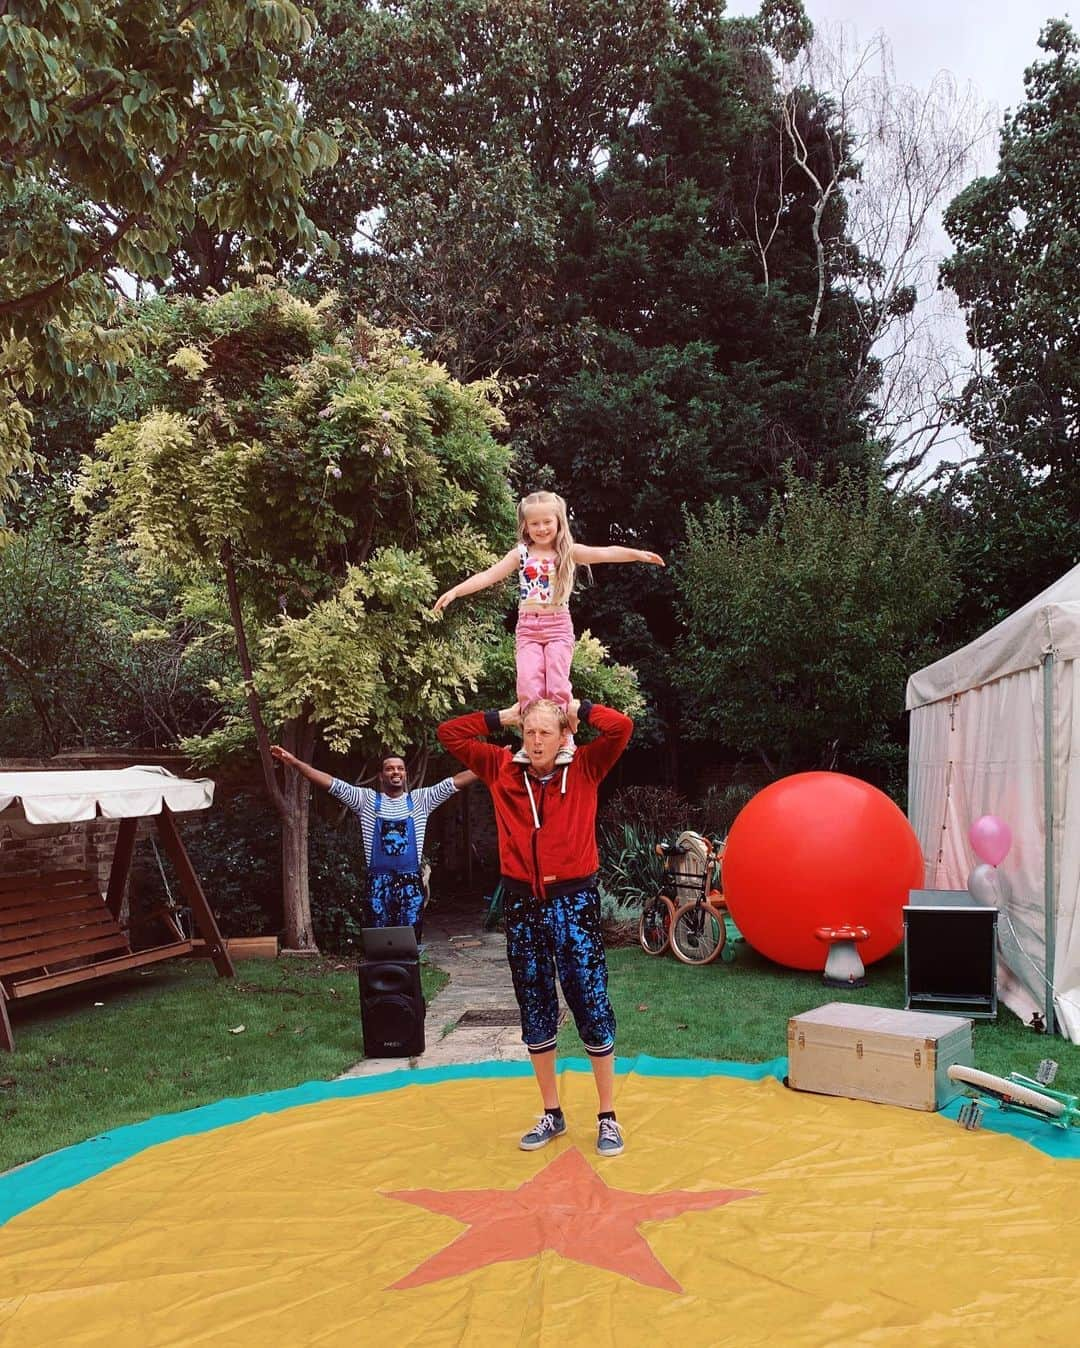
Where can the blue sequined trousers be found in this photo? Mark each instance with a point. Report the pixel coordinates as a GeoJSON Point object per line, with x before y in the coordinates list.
{"type": "Point", "coordinates": [394, 899]}
{"type": "Point", "coordinates": [559, 935]}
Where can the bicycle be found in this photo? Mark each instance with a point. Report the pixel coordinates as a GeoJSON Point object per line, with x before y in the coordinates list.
{"type": "Point", "coordinates": [695, 930]}
{"type": "Point", "coordinates": [1022, 1094]}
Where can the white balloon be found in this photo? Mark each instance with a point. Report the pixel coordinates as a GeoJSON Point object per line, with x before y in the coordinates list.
{"type": "Point", "coordinates": [990, 886]}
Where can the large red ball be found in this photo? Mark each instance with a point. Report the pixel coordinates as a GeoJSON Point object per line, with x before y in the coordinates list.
{"type": "Point", "coordinates": [820, 849]}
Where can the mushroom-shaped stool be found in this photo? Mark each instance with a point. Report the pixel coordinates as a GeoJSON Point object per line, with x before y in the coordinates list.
{"type": "Point", "coordinates": [843, 968]}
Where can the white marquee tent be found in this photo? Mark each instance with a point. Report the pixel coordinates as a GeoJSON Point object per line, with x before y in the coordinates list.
{"type": "Point", "coordinates": [995, 729]}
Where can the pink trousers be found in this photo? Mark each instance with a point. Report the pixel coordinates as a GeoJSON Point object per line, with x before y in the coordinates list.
{"type": "Point", "coordinates": [545, 648]}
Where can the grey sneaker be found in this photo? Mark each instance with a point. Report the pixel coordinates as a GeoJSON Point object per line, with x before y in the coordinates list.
{"type": "Point", "coordinates": [522, 757]}
{"type": "Point", "coordinates": [565, 755]}
{"type": "Point", "coordinates": [609, 1140]}
{"type": "Point", "coordinates": [547, 1130]}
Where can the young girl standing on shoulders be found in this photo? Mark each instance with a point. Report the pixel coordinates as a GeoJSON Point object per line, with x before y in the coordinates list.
{"type": "Point", "coordinates": [545, 559]}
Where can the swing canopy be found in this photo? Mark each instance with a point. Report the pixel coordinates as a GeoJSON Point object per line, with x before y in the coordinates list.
{"type": "Point", "coordinates": [62, 797]}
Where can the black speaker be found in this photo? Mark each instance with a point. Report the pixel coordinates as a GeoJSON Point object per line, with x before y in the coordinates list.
{"type": "Point", "coordinates": [391, 1008]}
{"type": "Point", "coordinates": [950, 960]}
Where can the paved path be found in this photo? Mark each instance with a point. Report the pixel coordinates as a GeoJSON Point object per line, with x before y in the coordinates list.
{"type": "Point", "coordinates": [479, 981]}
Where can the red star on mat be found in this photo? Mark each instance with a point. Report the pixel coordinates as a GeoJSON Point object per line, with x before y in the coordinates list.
{"type": "Point", "coordinates": [567, 1208]}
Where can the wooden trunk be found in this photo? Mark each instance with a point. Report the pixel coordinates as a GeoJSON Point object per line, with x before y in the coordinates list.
{"type": "Point", "coordinates": [873, 1053]}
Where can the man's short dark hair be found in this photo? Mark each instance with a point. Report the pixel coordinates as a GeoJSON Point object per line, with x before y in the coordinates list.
{"type": "Point", "coordinates": [389, 753]}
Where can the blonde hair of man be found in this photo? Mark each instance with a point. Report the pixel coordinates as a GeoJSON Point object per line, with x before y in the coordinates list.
{"type": "Point", "coordinates": [545, 704]}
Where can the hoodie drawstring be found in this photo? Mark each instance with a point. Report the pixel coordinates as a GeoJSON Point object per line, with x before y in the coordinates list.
{"type": "Point", "coordinates": [532, 801]}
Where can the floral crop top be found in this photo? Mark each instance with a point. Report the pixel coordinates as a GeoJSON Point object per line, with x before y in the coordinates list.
{"type": "Point", "coordinates": [536, 579]}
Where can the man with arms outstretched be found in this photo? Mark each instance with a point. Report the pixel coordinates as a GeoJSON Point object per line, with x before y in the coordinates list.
{"type": "Point", "coordinates": [392, 822]}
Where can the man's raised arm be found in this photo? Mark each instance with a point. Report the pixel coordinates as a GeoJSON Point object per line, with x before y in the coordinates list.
{"type": "Point", "coordinates": [601, 754]}
{"type": "Point", "coordinates": [322, 779]}
{"type": "Point", "coordinates": [465, 738]}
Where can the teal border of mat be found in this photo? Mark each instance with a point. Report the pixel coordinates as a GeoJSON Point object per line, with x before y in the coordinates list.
{"type": "Point", "coordinates": [39, 1180]}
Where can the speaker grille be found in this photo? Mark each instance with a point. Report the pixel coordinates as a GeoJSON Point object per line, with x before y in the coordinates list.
{"type": "Point", "coordinates": [391, 1008]}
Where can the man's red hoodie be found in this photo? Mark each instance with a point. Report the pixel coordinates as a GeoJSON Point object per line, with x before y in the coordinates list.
{"type": "Point", "coordinates": [563, 848]}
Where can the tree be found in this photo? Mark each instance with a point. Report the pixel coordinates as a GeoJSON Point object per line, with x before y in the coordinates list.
{"type": "Point", "coordinates": [891, 156]}
{"type": "Point", "coordinates": [683, 373]}
{"type": "Point", "coordinates": [330, 483]}
{"type": "Point", "coordinates": [1016, 273]}
{"type": "Point", "coordinates": [121, 128]}
{"type": "Point", "coordinates": [88, 660]}
{"type": "Point", "coordinates": [800, 635]}
{"type": "Point", "coordinates": [447, 203]}
{"type": "Point", "coordinates": [1015, 532]}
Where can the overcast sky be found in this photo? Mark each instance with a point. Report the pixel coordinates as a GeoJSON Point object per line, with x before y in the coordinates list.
{"type": "Point", "coordinates": [983, 44]}
{"type": "Point", "coordinates": [986, 42]}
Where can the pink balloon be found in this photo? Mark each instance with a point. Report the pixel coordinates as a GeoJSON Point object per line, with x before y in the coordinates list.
{"type": "Point", "coordinates": [990, 839]}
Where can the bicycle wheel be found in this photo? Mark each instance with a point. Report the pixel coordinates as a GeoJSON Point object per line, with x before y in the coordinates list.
{"type": "Point", "coordinates": [697, 933]}
{"type": "Point", "coordinates": [654, 926]}
{"type": "Point", "coordinates": [1006, 1091]}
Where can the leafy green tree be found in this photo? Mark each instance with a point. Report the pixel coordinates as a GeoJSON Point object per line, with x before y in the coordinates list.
{"type": "Point", "coordinates": [800, 634]}
{"type": "Point", "coordinates": [582, 210]}
{"type": "Point", "coordinates": [94, 659]}
{"type": "Point", "coordinates": [1016, 272]}
{"type": "Point", "coordinates": [1014, 531]}
{"type": "Point", "coordinates": [123, 128]}
{"type": "Point", "coordinates": [331, 483]}
{"type": "Point", "coordinates": [692, 375]}
{"type": "Point", "coordinates": [463, 123]}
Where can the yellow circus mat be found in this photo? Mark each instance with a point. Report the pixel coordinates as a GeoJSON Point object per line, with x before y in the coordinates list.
{"type": "Point", "coordinates": [399, 1210]}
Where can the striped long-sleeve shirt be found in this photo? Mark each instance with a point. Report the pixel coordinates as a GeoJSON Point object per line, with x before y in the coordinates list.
{"type": "Point", "coordinates": [361, 800]}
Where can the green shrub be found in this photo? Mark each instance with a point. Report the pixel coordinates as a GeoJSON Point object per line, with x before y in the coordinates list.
{"type": "Point", "coordinates": [336, 875]}
{"type": "Point", "coordinates": [630, 870]}
{"type": "Point", "coordinates": [718, 807]}
{"type": "Point", "coordinates": [236, 852]}
{"type": "Point", "coordinates": [656, 812]}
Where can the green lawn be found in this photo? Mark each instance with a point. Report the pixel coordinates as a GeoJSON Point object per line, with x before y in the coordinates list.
{"type": "Point", "coordinates": [161, 1042]}
{"type": "Point", "coordinates": [740, 1011]}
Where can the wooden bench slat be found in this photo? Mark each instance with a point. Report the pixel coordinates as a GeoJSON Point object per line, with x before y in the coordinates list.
{"type": "Point", "coordinates": [45, 885]}
{"type": "Point", "coordinates": [9, 901]}
{"type": "Point", "coordinates": [45, 942]}
{"type": "Point", "coordinates": [47, 959]}
{"type": "Point", "coordinates": [87, 903]}
{"type": "Point", "coordinates": [29, 987]}
{"type": "Point", "coordinates": [17, 938]}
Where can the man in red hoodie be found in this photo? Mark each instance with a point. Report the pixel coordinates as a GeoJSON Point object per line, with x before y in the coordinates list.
{"type": "Point", "coordinates": [546, 819]}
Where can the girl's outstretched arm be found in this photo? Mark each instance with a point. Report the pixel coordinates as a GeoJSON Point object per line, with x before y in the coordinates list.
{"type": "Point", "coordinates": [586, 556]}
{"type": "Point", "coordinates": [481, 581]}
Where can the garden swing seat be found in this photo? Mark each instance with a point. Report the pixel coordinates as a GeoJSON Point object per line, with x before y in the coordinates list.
{"type": "Point", "coordinates": [57, 929]}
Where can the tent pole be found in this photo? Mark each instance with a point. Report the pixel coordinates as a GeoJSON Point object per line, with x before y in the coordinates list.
{"type": "Point", "coordinates": [1048, 862]}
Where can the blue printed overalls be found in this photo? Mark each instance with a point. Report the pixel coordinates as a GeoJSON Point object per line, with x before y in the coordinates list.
{"type": "Point", "coordinates": [395, 895]}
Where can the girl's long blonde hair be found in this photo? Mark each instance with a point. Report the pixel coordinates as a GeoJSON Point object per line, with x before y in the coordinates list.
{"type": "Point", "coordinates": [564, 540]}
